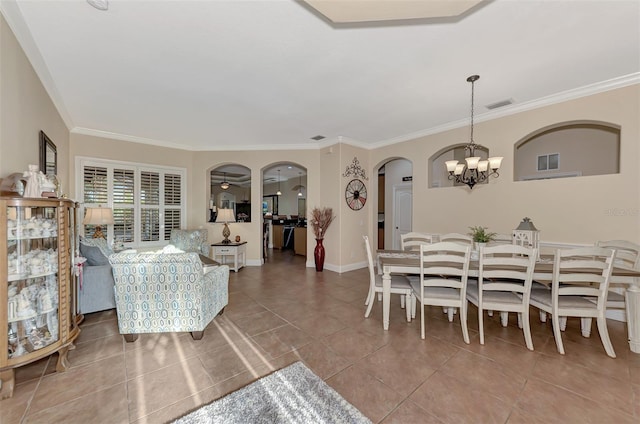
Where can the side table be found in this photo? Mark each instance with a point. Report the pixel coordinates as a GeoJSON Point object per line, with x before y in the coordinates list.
{"type": "Point", "coordinates": [237, 250]}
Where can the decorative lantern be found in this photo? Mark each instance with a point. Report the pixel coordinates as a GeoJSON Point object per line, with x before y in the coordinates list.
{"type": "Point", "coordinates": [527, 235]}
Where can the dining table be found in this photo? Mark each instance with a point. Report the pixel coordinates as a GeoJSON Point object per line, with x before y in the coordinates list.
{"type": "Point", "coordinates": [408, 262]}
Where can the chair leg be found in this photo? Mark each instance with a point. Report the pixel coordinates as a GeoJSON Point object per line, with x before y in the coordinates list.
{"type": "Point", "coordinates": [504, 318]}
{"type": "Point", "coordinates": [489, 312]}
{"type": "Point", "coordinates": [380, 297]}
{"type": "Point", "coordinates": [563, 323]}
{"type": "Point", "coordinates": [445, 310]}
{"type": "Point", "coordinates": [369, 295]}
{"type": "Point", "coordinates": [543, 316]}
{"type": "Point", "coordinates": [520, 320]}
{"type": "Point", "coordinates": [130, 338]}
{"type": "Point", "coordinates": [463, 321]}
{"type": "Point", "coordinates": [585, 326]}
{"type": "Point", "coordinates": [555, 320]}
{"type": "Point", "coordinates": [408, 303]}
{"type": "Point", "coordinates": [413, 307]}
{"type": "Point", "coordinates": [481, 324]}
{"type": "Point", "coordinates": [422, 320]}
{"type": "Point", "coordinates": [402, 301]}
{"type": "Point", "coordinates": [450, 313]}
{"type": "Point", "coordinates": [524, 317]}
{"type": "Point", "coordinates": [369, 303]}
{"type": "Point", "coordinates": [197, 335]}
{"type": "Point", "coordinates": [604, 336]}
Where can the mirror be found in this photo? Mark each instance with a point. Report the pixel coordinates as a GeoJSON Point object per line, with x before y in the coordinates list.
{"type": "Point", "coordinates": [48, 155]}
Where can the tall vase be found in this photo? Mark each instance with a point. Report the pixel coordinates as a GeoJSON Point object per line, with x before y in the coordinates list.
{"type": "Point", "coordinates": [318, 255]}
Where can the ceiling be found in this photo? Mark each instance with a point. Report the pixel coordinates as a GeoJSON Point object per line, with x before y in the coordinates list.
{"type": "Point", "coordinates": [272, 74]}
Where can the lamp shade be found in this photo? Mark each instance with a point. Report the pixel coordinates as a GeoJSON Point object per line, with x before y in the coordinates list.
{"type": "Point", "coordinates": [98, 216]}
{"type": "Point", "coordinates": [225, 215]}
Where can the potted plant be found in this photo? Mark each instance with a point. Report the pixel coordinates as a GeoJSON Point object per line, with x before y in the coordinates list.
{"type": "Point", "coordinates": [481, 236]}
{"type": "Point", "coordinates": [321, 218]}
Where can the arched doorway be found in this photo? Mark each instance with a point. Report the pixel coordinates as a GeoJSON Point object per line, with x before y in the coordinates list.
{"type": "Point", "coordinates": [284, 210]}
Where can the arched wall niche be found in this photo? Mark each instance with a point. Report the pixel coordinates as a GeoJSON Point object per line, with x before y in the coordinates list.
{"type": "Point", "coordinates": [438, 176]}
{"type": "Point", "coordinates": [568, 149]}
{"type": "Point", "coordinates": [238, 194]}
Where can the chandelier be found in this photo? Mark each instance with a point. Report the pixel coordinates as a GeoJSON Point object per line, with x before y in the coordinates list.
{"type": "Point", "coordinates": [475, 170]}
{"type": "Point", "coordinates": [224, 184]}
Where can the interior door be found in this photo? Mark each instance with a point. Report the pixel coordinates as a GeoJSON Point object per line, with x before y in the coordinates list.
{"type": "Point", "coordinates": [402, 206]}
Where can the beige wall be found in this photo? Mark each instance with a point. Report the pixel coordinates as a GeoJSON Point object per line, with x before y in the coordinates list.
{"type": "Point", "coordinates": [353, 224]}
{"type": "Point", "coordinates": [25, 109]}
{"type": "Point", "coordinates": [579, 210]}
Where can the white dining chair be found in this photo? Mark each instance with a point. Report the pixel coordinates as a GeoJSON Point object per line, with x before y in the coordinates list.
{"type": "Point", "coordinates": [399, 285]}
{"type": "Point", "coordinates": [504, 284]}
{"type": "Point", "coordinates": [444, 270]}
{"type": "Point", "coordinates": [457, 238]}
{"type": "Point", "coordinates": [411, 241]}
{"type": "Point", "coordinates": [628, 256]}
{"type": "Point", "coordinates": [578, 289]}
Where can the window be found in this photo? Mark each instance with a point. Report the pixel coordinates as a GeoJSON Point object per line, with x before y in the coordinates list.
{"type": "Point", "coordinates": [147, 202]}
{"type": "Point", "coordinates": [548, 162]}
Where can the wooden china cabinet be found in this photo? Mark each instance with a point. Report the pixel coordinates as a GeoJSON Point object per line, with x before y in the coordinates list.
{"type": "Point", "coordinates": [37, 287]}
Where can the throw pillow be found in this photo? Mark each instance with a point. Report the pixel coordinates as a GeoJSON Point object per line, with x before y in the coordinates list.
{"type": "Point", "coordinates": [100, 243]}
{"type": "Point", "coordinates": [94, 255]}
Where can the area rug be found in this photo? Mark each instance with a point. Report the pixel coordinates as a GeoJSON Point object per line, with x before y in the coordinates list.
{"type": "Point", "coordinates": [291, 395]}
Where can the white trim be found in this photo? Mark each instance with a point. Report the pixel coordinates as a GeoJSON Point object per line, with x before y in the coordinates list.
{"type": "Point", "coordinates": [563, 245]}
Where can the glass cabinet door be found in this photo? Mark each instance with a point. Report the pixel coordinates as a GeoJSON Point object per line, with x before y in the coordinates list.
{"type": "Point", "coordinates": [32, 278]}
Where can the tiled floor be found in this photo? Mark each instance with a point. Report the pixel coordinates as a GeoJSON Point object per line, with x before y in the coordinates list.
{"type": "Point", "coordinates": [283, 312]}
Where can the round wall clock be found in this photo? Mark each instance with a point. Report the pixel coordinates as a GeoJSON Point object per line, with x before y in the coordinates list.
{"type": "Point", "coordinates": [356, 194]}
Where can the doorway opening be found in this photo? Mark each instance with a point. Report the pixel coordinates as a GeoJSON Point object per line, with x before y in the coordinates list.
{"type": "Point", "coordinates": [284, 213]}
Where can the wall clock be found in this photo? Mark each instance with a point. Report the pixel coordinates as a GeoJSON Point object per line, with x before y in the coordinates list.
{"type": "Point", "coordinates": [356, 194]}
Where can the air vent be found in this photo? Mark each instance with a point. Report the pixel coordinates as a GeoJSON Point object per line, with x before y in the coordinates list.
{"type": "Point", "coordinates": [318, 137]}
{"type": "Point", "coordinates": [501, 103]}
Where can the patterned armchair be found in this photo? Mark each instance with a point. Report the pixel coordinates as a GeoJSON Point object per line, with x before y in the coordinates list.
{"type": "Point", "coordinates": [163, 292]}
{"type": "Point", "coordinates": [190, 241]}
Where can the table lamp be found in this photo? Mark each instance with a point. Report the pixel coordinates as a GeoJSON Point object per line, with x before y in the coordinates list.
{"type": "Point", "coordinates": [98, 216]}
{"type": "Point", "coordinates": [225, 216]}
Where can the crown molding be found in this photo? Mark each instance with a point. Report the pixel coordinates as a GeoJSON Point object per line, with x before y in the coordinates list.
{"type": "Point", "coordinates": [576, 93]}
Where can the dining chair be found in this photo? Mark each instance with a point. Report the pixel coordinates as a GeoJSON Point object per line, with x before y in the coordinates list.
{"type": "Point", "coordinates": [578, 289]}
{"type": "Point", "coordinates": [444, 269]}
{"type": "Point", "coordinates": [457, 238]}
{"type": "Point", "coordinates": [628, 256]}
{"type": "Point", "coordinates": [504, 284]}
{"type": "Point", "coordinates": [412, 241]}
{"type": "Point", "coordinates": [399, 285]}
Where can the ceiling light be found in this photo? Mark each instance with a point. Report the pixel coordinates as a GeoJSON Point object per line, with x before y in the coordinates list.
{"type": "Point", "coordinates": [298, 187]}
{"type": "Point", "coordinates": [225, 184]}
{"type": "Point", "coordinates": [476, 170]}
{"type": "Point", "coordinates": [99, 4]}
{"type": "Point", "coordinates": [279, 193]}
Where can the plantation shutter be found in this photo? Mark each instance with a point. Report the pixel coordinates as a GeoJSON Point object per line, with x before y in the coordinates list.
{"type": "Point", "coordinates": [172, 202]}
{"type": "Point", "coordinates": [124, 205]}
{"type": "Point", "coordinates": [96, 190]}
{"type": "Point", "coordinates": [149, 206]}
